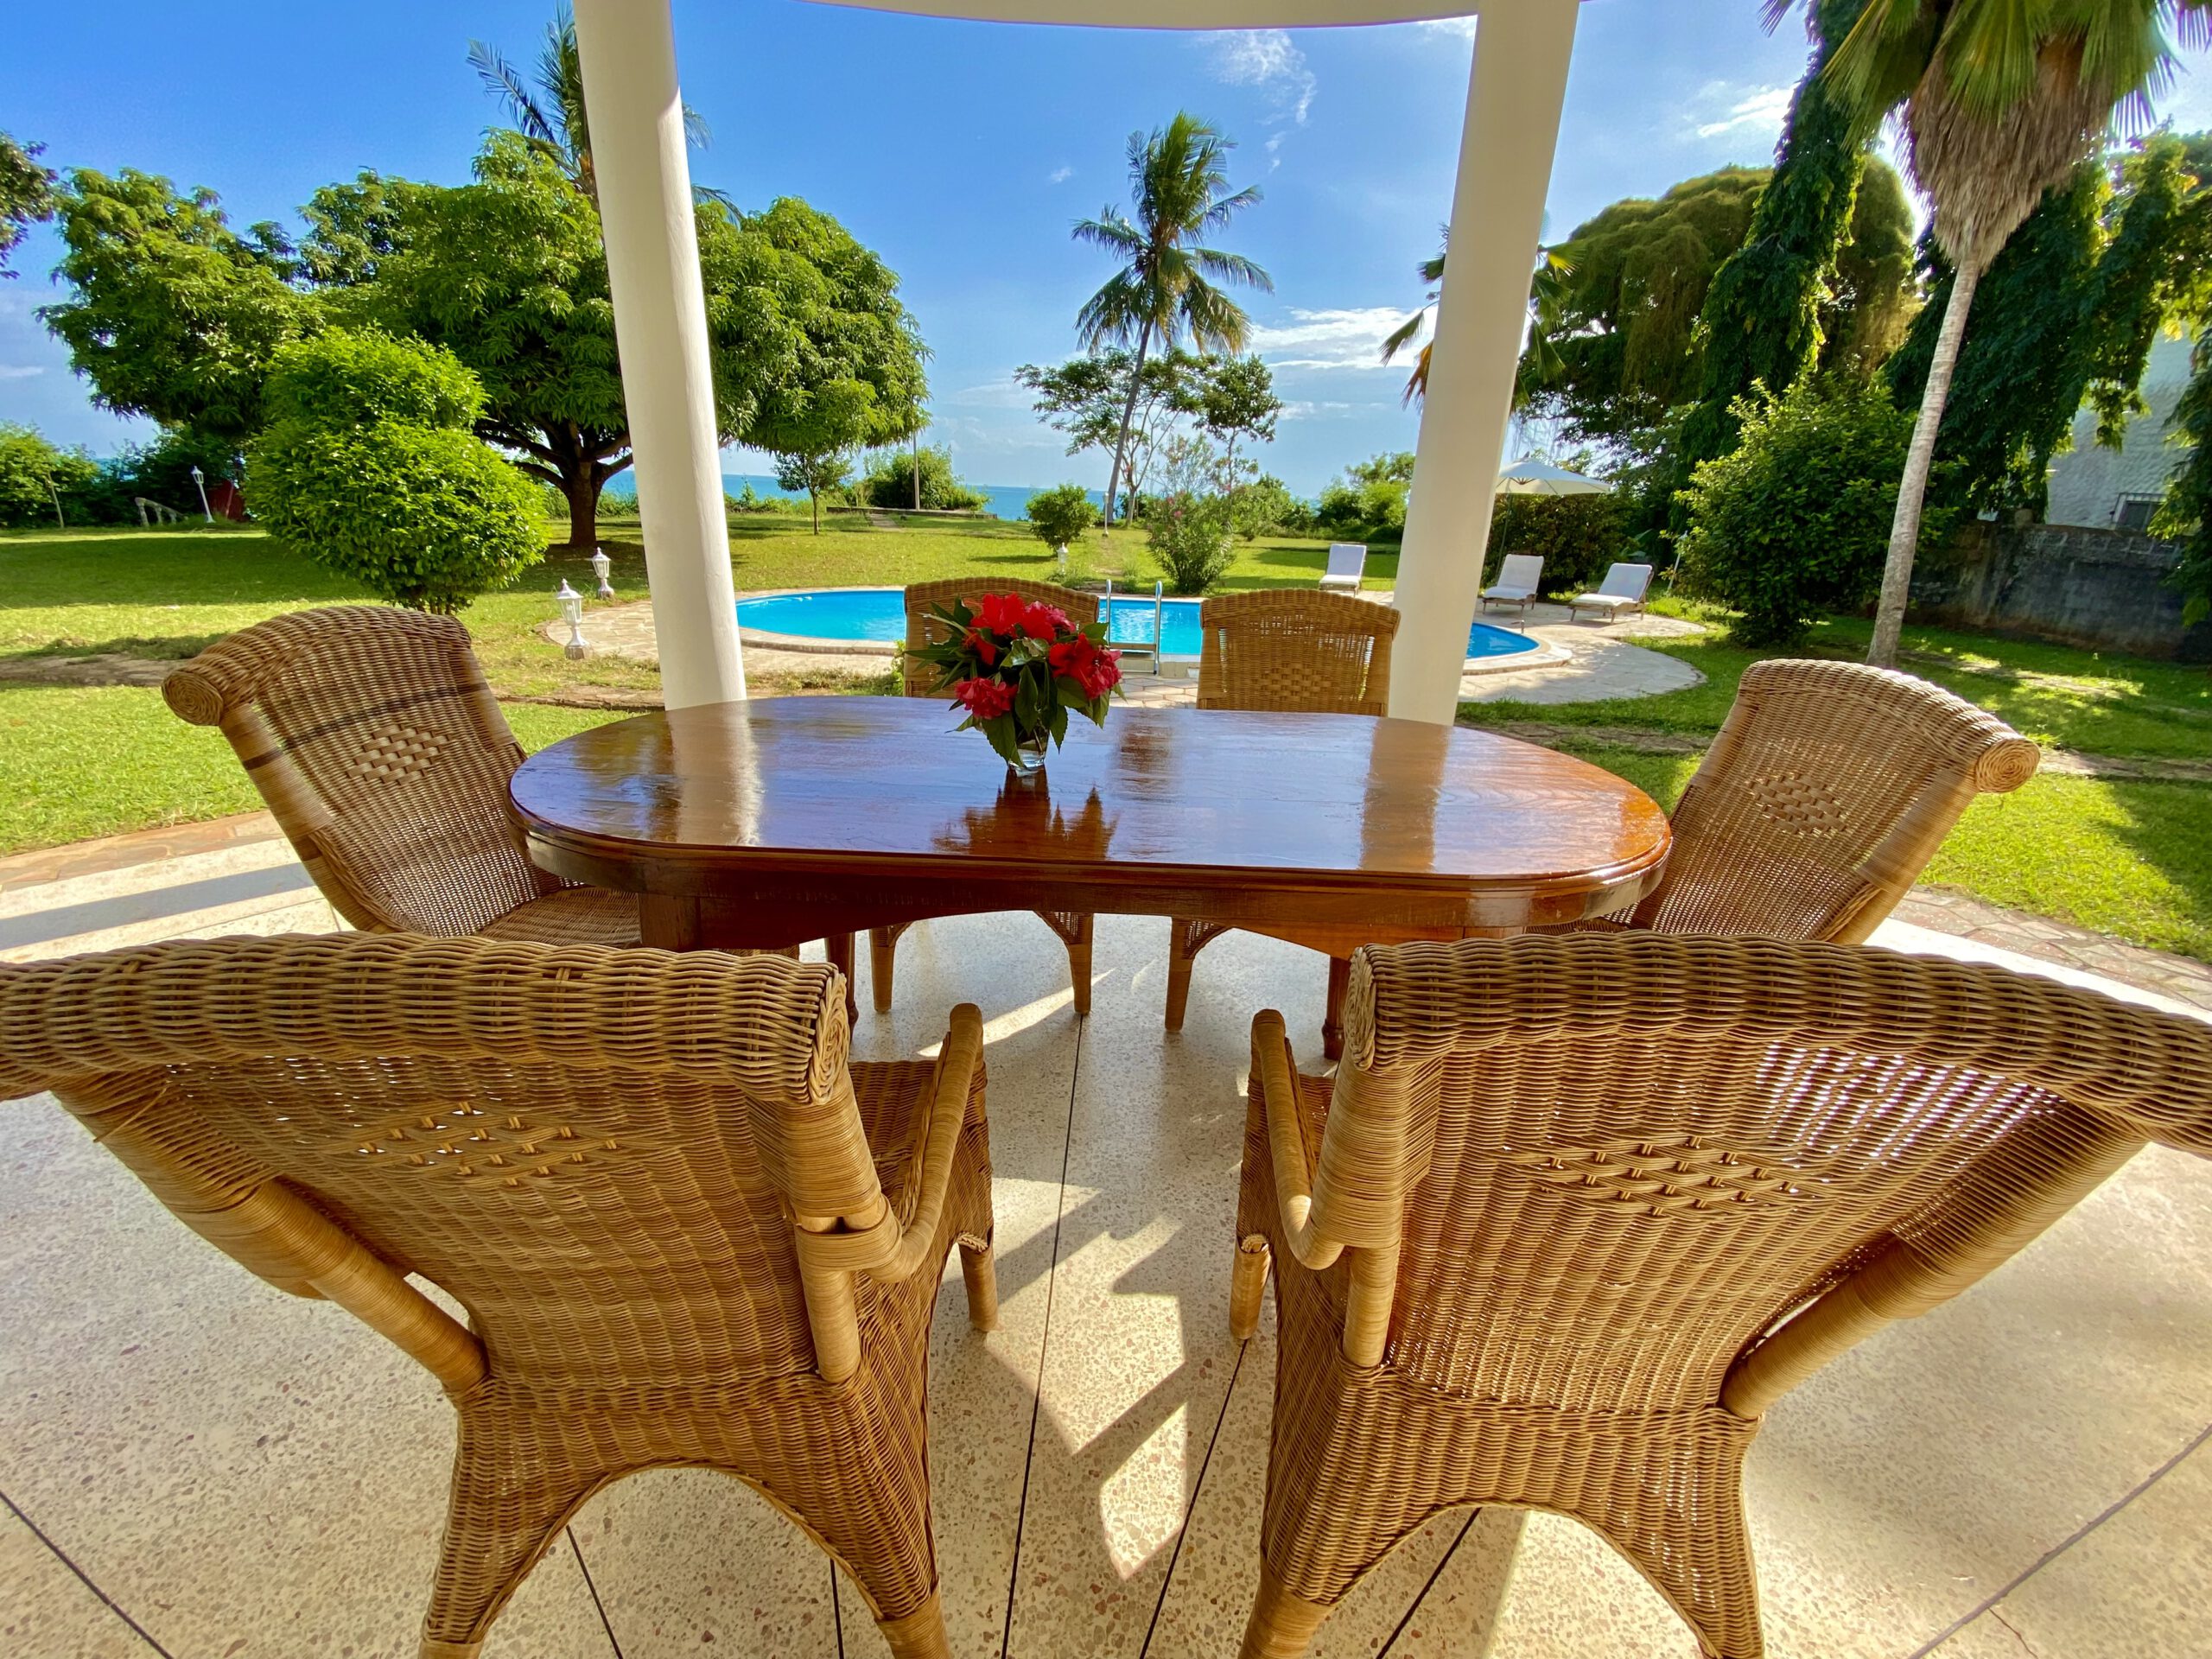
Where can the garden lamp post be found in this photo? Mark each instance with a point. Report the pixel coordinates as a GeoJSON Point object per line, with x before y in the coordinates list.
{"type": "Point", "coordinates": [200, 482]}
{"type": "Point", "coordinates": [572, 613]}
{"type": "Point", "coordinates": [602, 566]}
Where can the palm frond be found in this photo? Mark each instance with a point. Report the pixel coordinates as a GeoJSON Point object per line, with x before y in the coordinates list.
{"type": "Point", "coordinates": [1232, 268]}
{"type": "Point", "coordinates": [505, 84]}
{"type": "Point", "coordinates": [1115, 312]}
{"type": "Point", "coordinates": [1216, 323]}
{"type": "Point", "coordinates": [1111, 231]}
{"type": "Point", "coordinates": [1404, 334]}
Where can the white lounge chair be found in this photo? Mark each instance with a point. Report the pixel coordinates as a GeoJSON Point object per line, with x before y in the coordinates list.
{"type": "Point", "coordinates": [1347, 565]}
{"type": "Point", "coordinates": [1518, 577]}
{"type": "Point", "coordinates": [1621, 592]}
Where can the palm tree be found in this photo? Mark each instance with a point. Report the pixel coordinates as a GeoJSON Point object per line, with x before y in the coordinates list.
{"type": "Point", "coordinates": [1177, 181]}
{"type": "Point", "coordinates": [2001, 100]}
{"type": "Point", "coordinates": [1547, 295]}
{"type": "Point", "coordinates": [552, 117]}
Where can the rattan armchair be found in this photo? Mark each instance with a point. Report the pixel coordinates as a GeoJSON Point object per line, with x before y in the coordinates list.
{"type": "Point", "coordinates": [1284, 649]}
{"type": "Point", "coordinates": [371, 734]}
{"type": "Point", "coordinates": [920, 680]}
{"type": "Point", "coordinates": [1828, 789]}
{"type": "Point", "coordinates": [684, 1229]}
{"type": "Point", "coordinates": [1577, 1210]}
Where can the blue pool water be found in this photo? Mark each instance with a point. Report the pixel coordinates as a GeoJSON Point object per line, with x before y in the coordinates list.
{"type": "Point", "coordinates": [879, 614]}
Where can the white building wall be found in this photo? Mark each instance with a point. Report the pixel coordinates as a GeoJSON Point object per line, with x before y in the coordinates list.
{"type": "Point", "coordinates": [2089, 482]}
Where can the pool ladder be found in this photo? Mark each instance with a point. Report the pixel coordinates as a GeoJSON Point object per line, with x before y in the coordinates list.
{"type": "Point", "coordinates": [1138, 648]}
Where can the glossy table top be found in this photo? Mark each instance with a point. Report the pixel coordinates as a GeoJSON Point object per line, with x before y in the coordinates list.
{"type": "Point", "coordinates": [886, 786]}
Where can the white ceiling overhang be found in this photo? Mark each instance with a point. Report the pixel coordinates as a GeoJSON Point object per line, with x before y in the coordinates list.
{"type": "Point", "coordinates": [1188, 14]}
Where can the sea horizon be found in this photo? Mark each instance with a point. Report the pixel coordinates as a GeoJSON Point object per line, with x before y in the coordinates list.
{"type": "Point", "coordinates": [1009, 502]}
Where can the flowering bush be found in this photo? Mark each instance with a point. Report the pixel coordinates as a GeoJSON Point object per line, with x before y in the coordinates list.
{"type": "Point", "coordinates": [1016, 668]}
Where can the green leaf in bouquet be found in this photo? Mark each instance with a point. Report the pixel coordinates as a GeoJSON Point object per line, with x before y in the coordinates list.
{"type": "Point", "coordinates": [999, 732]}
{"type": "Point", "coordinates": [1057, 724]}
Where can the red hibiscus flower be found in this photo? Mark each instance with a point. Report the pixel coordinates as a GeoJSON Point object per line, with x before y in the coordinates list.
{"type": "Point", "coordinates": [1096, 671]}
{"type": "Point", "coordinates": [985, 647]}
{"type": "Point", "coordinates": [1042, 621]}
{"type": "Point", "coordinates": [984, 699]}
{"type": "Point", "coordinates": [1002, 613]}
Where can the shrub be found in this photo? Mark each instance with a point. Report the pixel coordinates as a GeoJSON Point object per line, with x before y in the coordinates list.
{"type": "Point", "coordinates": [1058, 516]}
{"type": "Point", "coordinates": [1372, 512]}
{"type": "Point", "coordinates": [1190, 538]}
{"type": "Point", "coordinates": [1266, 507]}
{"type": "Point", "coordinates": [1795, 522]}
{"type": "Point", "coordinates": [890, 483]}
{"type": "Point", "coordinates": [32, 470]}
{"type": "Point", "coordinates": [1577, 536]}
{"type": "Point", "coordinates": [368, 467]}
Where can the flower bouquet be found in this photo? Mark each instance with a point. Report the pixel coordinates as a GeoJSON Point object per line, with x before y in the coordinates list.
{"type": "Point", "coordinates": [1016, 669]}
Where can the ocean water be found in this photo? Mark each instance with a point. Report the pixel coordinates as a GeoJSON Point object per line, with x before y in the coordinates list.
{"type": "Point", "coordinates": [1008, 501]}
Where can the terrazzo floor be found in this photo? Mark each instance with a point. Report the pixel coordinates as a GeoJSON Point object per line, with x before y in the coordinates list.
{"type": "Point", "coordinates": [194, 1465]}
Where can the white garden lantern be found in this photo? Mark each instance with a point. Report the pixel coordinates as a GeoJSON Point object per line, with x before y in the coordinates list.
{"type": "Point", "coordinates": [602, 566]}
{"type": "Point", "coordinates": [572, 613]}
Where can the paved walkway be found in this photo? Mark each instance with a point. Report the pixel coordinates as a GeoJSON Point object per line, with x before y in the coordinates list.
{"type": "Point", "coordinates": [195, 1465]}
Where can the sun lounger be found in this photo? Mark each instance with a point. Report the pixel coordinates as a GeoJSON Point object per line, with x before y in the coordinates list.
{"type": "Point", "coordinates": [1347, 565]}
{"type": "Point", "coordinates": [1620, 592]}
{"type": "Point", "coordinates": [1518, 577]}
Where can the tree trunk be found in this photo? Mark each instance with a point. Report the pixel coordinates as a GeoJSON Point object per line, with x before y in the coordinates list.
{"type": "Point", "coordinates": [917, 454]}
{"type": "Point", "coordinates": [582, 490]}
{"type": "Point", "coordinates": [1129, 414]}
{"type": "Point", "coordinates": [814, 499]}
{"type": "Point", "coordinates": [1904, 528]}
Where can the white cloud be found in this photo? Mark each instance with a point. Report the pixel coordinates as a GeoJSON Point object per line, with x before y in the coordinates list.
{"type": "Point", "coordinates": [1346, 338]}
{"type": "Point", "coordinates": [1269, 59]}
{"type": "Point", "coordinates": [1721, 107]}
{"type": "Point", "coordinates": [1001, 393]}
{"type": "Point", "coordinates": [1328, 409]}
{"type": "Point", "coordinates": [1059, 175]}
{"type": "Point", "coordinates": [1463, 27]}
{"type": "Point", "coordinates": [20, 371]}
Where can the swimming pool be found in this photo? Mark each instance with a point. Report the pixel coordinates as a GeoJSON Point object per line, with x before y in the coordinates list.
{"type": "Point", "coordinates": [878, 615]}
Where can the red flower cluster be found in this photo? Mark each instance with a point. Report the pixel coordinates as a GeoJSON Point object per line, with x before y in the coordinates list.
{"type": "Point", "coordinates": [1096, 671]}
{"type": "Point", "coordinates": [984, 699]}
{"type": "Point", "coordinates": [1009, 615]}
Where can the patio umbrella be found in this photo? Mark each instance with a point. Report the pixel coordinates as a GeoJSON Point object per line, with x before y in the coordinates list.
{"type": "Point", "coordinates": [1534, 477]}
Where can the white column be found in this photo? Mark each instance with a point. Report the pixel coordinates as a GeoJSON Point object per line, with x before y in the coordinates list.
{"type": "Point", "coordinates": [1497, 214]}
{"type": "Point", "coordinates": [628, 51]}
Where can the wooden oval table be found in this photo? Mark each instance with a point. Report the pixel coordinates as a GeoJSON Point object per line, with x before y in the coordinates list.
{"type": "Point", "coordinates": [761, 824]}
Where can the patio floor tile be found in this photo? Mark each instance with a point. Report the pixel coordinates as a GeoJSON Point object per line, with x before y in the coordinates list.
{"type": "Point", "coordinates": [47, 1608]}
{"type": "Point", "coordinates": [229, 1464]}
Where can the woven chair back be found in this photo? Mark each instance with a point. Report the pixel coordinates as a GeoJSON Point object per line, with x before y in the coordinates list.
{"type": "Point", "coordinates": [1616, 1164]}
{"type": "Point", "coordinates": [919, 679]}
{"type": "Point", "coordinates": [373, 737]}
{"type": "Point", "coordinates": [598, 1152]}
{"type": "Point", "coordinates": [1296, 651]}
{"type": "Point", "coordinates": [1828, 789]}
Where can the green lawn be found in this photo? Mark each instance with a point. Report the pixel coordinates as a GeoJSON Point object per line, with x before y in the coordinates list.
{"type": "Point", "coordinates": [2132, 859]}
{"type": "Point", "coordinates": [2095, 702]}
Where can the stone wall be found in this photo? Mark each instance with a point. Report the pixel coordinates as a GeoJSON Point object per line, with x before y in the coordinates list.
{"type": "Point", "coordinates": [2105, 589]}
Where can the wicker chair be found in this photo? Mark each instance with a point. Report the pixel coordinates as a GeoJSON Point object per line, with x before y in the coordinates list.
{"type": "Point", "coordinates": [1827, 791]}
{"type": "Point", "coordinates": [1573, 1273]}
{"type": "Point", "coordinates": [685, 1231]}
{"type": "Point", "coordinates": [1292, 651]}
{"type": "Point", "coordinates": [920, 680]}
{"type": "Point", "coordinates": [370, 734]}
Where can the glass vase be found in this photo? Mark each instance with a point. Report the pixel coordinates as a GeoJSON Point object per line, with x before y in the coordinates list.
{"type": "Point", "coordinates": [1029, 754]}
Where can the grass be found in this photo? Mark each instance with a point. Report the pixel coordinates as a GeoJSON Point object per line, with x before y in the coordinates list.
{"type": "Point", "coordinates": [2093, 702]}
{"type": "Point", "coordinates": [168, 593]}
{"type": "Point", "coordinates": [2127, 858]}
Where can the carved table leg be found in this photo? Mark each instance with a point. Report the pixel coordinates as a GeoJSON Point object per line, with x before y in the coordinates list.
{"type": "Point", "coordinates": [839, 948]}
{"type": "Point", "coordinates": [1332, 1019]}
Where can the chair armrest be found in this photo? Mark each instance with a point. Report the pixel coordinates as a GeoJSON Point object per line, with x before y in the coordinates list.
{"type": "Point", "coordinates": [1278, 1086]}
{"type": "Point", "coordinates": [957, 1060]}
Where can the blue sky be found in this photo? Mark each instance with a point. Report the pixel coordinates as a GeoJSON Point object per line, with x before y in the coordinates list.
{"type": "Point", "coordinates": [962, 152]}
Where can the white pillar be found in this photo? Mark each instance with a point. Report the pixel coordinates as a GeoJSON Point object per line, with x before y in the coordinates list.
{"type": "Point", "coordinates": [1514, 95]}
{"type": "Point", "coordinates": [628, 52]}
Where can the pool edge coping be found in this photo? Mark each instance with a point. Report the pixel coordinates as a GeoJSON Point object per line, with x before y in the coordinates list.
{"type": "Point", "coordinates": [1544, 653]}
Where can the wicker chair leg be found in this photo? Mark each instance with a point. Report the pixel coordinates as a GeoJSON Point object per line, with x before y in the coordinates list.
{"type": "Point", "coordinates": [500, 1521]}
{"type": "Point", "coordinates": [979, 1271]}
{"type": "Point", "coordinates": [1281, 1624]}
{"type": "Point", "coordinates": [917, 1634]}
{"type": "Point", "coordinates": [1079, 962]}
{"type": "Point", "coordinates": [882, 952]}
{"type": "Point", "coordinates": [1248, 1284]}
